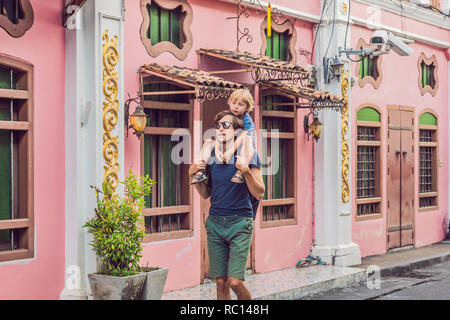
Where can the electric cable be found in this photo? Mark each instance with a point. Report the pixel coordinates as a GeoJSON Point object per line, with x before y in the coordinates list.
{"type": "Point", "coordinates": [346, 32]}
{"type": "Point", "coordinates": [317, 31]}
{"type": "Point", "coordinates": [332, 29]}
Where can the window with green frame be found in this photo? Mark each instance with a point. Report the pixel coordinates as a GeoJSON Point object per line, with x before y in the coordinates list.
{"type": "Point", "coordinates": [16, 221]}
{"type": "Point", "coordinates": [428, 171]}
{"type": "Point", "coordinates": [368, 67]}
{"type": "Point", "coordinates": [427, 78]}
{"type": "Point", "coordinates": [278, 45]}
{"type": "Point", "coordinates": [168, 206]}
{"type": "Point", "coordinates": [368, 144]}
{"type": "Point", "coordinates": [278, 115]}
{"type": "Point", "coordinates": [165, 25]}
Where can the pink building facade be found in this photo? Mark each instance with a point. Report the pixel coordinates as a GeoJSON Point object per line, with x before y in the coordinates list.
{"type": "Point", "coordinates": [294, 218]}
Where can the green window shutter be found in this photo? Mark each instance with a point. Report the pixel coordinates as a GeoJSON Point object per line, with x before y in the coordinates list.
{"type": "Point", "coordinates": [5, 78]}
{"type": "Point", "coordinates": [165, 25]}
{"type": "Point", "coordinates": [371, 73]}
{"type": "Point", "coordinates": [428, 119]}
{"type": "Point", "coordinates": [5, 165]}
{"type": "Point", "coordinates": [366, 66]}
{"type": "Point", "coordinates": [154, 24]}
{"type": "Point", "coordinates": [360, 71]}
{"type": "Point", "coordinates": [368, 114]}
{"type": "Point", "coordinates": [283, 47]}
{"type": "Point", "coordinates": [276, 45]}
{"type": "Point", "coordinates": [269, 49]}
{"type": "Point", "coordinates": [175, 28]}
{"type": "Point", "coordinates": [5, 175]}
{"type": "Point", "coordinates": [164, 18]}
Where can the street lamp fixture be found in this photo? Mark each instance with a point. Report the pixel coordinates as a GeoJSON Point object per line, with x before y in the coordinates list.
{"type": "Point", "coordinates": [137, 120]}
{"type": "Point", "coordinates": [314, 128]}
{"type": "Point", "coordinates": [332, 68]}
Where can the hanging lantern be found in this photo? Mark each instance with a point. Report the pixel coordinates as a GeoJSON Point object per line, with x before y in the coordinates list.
{"type": "Point", "coordinates": [137, 120]}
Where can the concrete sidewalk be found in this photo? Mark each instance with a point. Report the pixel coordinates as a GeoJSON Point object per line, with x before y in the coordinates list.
{"type": "Point", "coordinates": [297, 283]}
{"type": "Point", "coordinates": [404, 260]}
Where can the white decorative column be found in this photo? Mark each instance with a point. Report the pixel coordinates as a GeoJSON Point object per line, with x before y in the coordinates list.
{"type": "Point", "coordinates": [332, 184]}
{"type": "Point", "coordinates": [94, 128]}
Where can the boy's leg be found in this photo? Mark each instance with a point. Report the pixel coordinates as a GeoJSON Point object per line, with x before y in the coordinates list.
{"type": "Point", "coordinates": [247, 152]}
{"type": "Point", "coordinates": [204, 155]}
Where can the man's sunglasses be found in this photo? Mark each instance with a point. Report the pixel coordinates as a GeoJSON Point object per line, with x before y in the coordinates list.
{"type": "Point", "coordinates": [225, 125]}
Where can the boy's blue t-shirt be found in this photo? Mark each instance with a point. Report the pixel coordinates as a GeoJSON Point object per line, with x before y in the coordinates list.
{"type": "Point", "coordinates": [229, 198]}
{"type": "Point", "coordinates": [249, 125]}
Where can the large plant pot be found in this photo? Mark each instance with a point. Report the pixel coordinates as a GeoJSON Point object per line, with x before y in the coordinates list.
{"type": "Point", "coordinates": [116, 288]}
{"type": "Point", "coordinates": [154, 285]}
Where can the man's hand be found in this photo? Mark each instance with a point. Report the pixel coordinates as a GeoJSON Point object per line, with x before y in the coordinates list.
{"type": "Point", "coordinates": [196, 166]}
{"type": "Point", "coordinates": [241, 164]}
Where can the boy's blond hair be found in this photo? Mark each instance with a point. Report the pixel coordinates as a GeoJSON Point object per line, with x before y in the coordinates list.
{"type": "Point", "coordinates": [245, 96]}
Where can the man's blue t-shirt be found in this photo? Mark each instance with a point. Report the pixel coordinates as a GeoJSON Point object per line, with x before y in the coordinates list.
{"type": "Point", "coordinates": [229, 198]}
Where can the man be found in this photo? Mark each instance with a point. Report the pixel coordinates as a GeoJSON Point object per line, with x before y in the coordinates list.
{"type": "Point", "coordinates": [229, 226]}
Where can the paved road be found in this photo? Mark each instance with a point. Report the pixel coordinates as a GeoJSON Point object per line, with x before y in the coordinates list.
{"type": "Point", "coordinates": [431, 283]}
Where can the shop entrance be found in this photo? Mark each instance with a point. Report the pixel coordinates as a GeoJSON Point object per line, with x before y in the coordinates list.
{"type": "Point", "coordinates": [400, 177]}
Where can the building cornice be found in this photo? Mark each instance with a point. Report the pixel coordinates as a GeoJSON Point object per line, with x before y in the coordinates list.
{"type": "Point", "coordinates": [412, 11]}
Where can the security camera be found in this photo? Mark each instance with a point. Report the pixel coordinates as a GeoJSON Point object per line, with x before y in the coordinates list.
{"type": "Point", "coordinates": [382, 37]}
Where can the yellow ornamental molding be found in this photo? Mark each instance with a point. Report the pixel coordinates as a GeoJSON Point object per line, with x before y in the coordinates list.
{"type": "Point", "coordinates": [110, 57]}
{"type": "Point", "coordinates": [344, 131]}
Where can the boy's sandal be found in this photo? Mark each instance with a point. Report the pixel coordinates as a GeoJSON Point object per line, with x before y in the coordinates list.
{"type": "Point", "coordinates": [238, 177]}
{"type": "Point", "coordinates": [199, 176]}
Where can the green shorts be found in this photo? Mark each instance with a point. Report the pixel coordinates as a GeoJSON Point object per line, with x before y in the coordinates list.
{"type": "Point", "coordinates": [229, 240]}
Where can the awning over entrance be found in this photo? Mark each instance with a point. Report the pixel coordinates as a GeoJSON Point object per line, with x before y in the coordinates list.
{"type": "Point", "coordinates": [315, 99]}
{"type": "Point", "coordinates": [262, 68]}
{"type": "Point", "coordinates": [203, 85]}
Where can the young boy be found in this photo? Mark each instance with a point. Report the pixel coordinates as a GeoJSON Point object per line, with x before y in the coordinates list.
{"type": "Point", "coordinates": [240, 103]}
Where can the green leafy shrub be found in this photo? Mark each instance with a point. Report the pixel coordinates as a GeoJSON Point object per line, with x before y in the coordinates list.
{"type": "Point", "coordinates": [118, 226]}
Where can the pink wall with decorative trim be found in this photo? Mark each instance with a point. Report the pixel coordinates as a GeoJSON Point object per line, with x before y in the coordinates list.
{"type": "Point", "coordinates": [211, 29]}
{"type": "Point", "coordinates": [43, 276]}
{"type": "Point", "coordinates": [399, 86]}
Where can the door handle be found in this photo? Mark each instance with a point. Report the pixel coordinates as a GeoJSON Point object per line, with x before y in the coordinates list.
{"type": "Point", "coordinates": [397, 152]}
{"type": "Point", "coordinates": [404, 153]}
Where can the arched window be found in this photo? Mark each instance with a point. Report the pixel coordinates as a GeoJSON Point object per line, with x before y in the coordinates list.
{"type": "Point", "coordinates": [16, 16]}
{"type": "Point", "coordinates": [166, 27]}
{"type": "Point", "coordinates": [281, 44]}
{"type": "Point", "coordinates": [428, 80]}
{"type": "Point", "coordinates": [369, 69]}
{"type": "Point", "coordinates": [428, 166]}
{"type": "Point", "coordinates": [368, 167]}
{"type": "Point", "coordinates": [16, 160]}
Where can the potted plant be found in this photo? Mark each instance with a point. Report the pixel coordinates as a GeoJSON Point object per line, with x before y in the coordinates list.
{"type": "Point", "coordinates": [118, 230]}
{"type": "Point", "coordinates": [154, 284]}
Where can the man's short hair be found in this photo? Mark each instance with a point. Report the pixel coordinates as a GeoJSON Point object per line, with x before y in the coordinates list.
{"type": "Point", "coordinates": [237, 122]}
{"type": "Point", "coordinates": [245, 96]}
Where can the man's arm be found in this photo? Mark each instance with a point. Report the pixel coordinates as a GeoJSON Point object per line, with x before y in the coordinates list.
{"type": "Point", "coordinates": [253, 178]}
{"type": "Point", "coordinates": [202, 188]}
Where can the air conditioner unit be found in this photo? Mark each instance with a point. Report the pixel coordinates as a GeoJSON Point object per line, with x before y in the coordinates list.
{"type": "Point", "coordinates": [424, 2]}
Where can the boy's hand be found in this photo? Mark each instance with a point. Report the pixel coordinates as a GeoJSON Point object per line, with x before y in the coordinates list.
{"type": "Point", "coordinates": [241, 164]}
{"type": "Point", "coordinates": [196, 166]}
